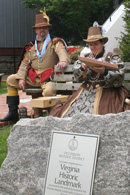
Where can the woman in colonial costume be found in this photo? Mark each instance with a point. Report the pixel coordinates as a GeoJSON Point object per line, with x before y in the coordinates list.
{"type": "Point", "coordinates": [102, 89]}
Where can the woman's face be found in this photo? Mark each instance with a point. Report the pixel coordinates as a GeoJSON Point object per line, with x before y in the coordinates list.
{"type": "Point", "coordinates": [96, 47]}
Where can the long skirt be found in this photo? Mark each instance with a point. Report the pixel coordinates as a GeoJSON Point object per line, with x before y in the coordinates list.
{"type": "Point", "coordinates": [99, 100]}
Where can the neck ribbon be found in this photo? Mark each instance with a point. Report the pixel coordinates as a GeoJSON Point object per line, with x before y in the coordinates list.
{"type": "Point", "coordinates": [47, 40]}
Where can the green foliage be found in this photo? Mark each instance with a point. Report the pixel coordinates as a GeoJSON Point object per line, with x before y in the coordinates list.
{"type": "Point", "coordinates": [4, 133]}
{"type": "Point", "coordinates": [74, 55]}
{"type": "Point", "coordinates": [71, 19]}
{"type": "Point", "coordinates": [125, 38]}
{"type": "Point", "coordinates": [3, 88]}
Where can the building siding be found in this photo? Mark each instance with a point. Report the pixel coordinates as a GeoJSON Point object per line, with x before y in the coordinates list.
{"type": "Point", "coordinates": [15, 24]}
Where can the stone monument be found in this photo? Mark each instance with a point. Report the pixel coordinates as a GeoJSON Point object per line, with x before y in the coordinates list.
{"type": "Point", "coordinates": [23, 170]}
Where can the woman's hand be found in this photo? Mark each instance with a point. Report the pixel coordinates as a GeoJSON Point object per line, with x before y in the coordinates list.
{"type": "Point", "coordinates": [84, 66]}
{"type": "Point", "coordinates": [99, 69]}
{"type": "Point", "coordinates": [21, 84]}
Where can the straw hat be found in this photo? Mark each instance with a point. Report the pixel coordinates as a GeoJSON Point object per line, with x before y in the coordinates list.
{"type": "Point", "coordinates": [94, 34]}
{"type": "Point", "coordinates": [41, 20]}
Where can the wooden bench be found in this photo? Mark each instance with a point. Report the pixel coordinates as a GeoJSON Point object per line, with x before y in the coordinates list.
{"type": "Point", "coordinates": [34, 92]}
{"type": "Point", "coordinates": [127, 76]}
{"type": "Point", "coordinates": [64, 80]}
{"type": "Point", "coordinates": [64, 83]}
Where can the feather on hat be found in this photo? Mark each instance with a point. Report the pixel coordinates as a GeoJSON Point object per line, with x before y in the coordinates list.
{"type": "Point", "coordinates": [41, 20]}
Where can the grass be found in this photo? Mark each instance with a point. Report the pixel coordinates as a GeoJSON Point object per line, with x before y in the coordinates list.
{"type": "Point", "coordinates": [4, 133]}
{"type": "Point", "coordinates": [3, 88]}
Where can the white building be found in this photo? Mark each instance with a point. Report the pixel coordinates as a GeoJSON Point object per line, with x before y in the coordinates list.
{"type": "Point", "coordinates": [113, 27]}
{"type": "Point", "coordinates": [16, 23]}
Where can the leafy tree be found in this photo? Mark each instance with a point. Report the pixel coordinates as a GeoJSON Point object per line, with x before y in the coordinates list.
{"type": "Point", "coordinates": [125, 38]}
{"type": "Point", "coordinates": [72, 18]}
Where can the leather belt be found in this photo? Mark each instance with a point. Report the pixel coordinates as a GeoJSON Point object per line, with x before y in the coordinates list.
{"type": "Point", "coordinates": [87, 85]}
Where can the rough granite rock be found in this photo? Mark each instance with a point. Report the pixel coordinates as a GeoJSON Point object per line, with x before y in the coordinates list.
{"type": "Point", "coordinates": [23, 171]}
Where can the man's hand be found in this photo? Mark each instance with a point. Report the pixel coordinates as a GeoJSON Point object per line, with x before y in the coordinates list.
{"type": "Point", "coordinates": [62, 65]}
{"type": "Point", "coordinates": [21, 84]}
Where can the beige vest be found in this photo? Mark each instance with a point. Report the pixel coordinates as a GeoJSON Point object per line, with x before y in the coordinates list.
{"type": "Point", "coordinates": [39, 65]}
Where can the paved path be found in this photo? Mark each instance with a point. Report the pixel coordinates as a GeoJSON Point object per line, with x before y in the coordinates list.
{"type": "Point", "coordinates": [25, 100]}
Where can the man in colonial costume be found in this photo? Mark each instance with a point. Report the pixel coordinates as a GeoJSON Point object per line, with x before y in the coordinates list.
{"type": "Point", "coordinates": [37, 65]}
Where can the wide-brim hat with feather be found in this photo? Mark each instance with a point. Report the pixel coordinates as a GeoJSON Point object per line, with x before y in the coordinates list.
{"type": "Point", "coordinates": [95, 34]}
{"type": "Point", "coordinates": [41, 20]}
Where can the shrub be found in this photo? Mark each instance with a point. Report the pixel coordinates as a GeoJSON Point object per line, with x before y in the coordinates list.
{"type": "Point", "coordinates": [74, 52]}
{"type": "Point", "coordinates": [125, 38]}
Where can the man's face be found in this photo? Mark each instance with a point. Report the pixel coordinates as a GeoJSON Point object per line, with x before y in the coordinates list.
{"type": "Point", "coordinates": [42, 32]}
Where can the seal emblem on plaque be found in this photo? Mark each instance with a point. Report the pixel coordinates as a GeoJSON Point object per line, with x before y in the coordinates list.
{"type": "Point", "coordinates": [73, 144]}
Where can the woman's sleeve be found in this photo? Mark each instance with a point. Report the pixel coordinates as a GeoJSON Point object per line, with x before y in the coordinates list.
{"type": "Point", "coordinates": [115, 78]}
{"type": "Point", "coordinates": [79, 72]}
